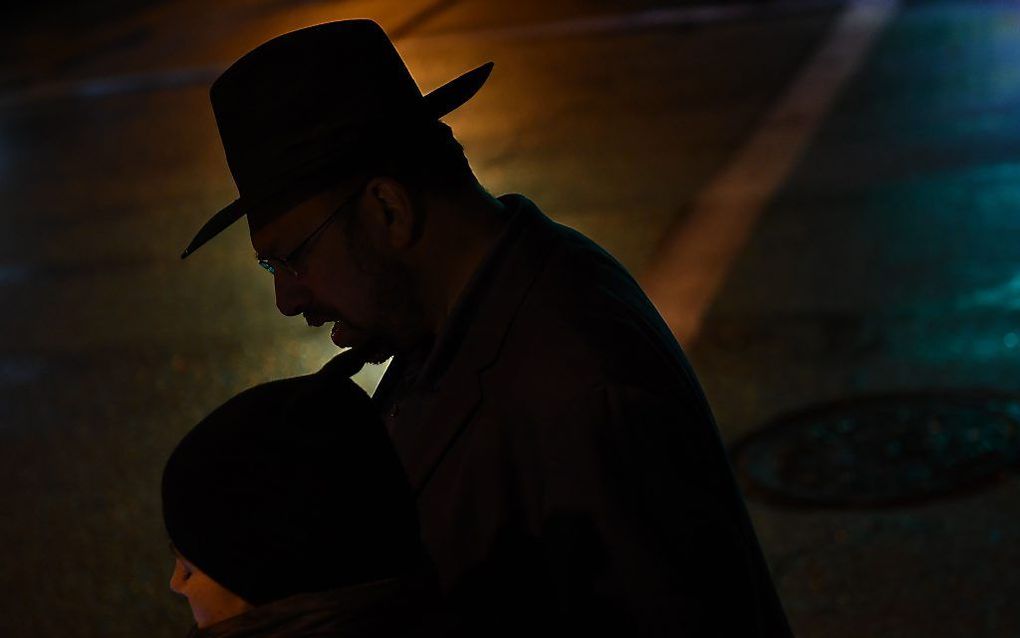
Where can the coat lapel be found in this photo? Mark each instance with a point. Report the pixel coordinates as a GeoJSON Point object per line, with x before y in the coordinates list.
{"type": "Point", "coordinates": [471, 342]}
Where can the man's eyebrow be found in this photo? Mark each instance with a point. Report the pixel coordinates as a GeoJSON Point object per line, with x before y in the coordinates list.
{"type": "Point", "coordinates": [271, 248]}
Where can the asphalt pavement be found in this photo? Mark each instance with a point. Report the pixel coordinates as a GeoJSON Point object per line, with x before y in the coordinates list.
{"type": "Point", "coordinates": [884, 266]}
{"type": "Point", "coordinates": [884, 272]}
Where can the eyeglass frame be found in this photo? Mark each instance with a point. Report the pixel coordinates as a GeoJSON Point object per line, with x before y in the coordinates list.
{"type": "Point", "coordinates": [289, 260]}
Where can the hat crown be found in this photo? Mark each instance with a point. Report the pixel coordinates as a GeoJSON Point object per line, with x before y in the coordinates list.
{"type": "Point", "coordinates": [302, 95]}
{"type": "Point", "coordinates": [306, 106]}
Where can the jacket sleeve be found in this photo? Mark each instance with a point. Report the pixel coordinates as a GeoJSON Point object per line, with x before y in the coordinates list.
{"type": "Point", "coordinates": [641, 524]}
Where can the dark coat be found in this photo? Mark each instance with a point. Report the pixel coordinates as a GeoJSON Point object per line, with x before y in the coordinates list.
{"type": "Point", "coordinates": [567, 464]}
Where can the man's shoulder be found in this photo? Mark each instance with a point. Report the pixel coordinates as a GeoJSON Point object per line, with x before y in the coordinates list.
{"type": "Point", "coordinates": [584, 345]}
{"type": "Point", "coordinates": [579, 275]}
{"type": "Point", "coordinates": [586, 319]}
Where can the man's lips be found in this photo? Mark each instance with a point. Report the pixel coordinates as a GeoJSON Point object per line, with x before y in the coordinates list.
{"type": "Point", "coordinates": [341, 333]}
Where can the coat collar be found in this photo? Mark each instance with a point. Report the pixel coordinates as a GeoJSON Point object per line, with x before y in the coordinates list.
{"type": "Point", "coordinates": [471, 339]}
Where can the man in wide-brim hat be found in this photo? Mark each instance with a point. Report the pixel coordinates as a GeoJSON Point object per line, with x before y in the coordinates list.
{"type": "Point", "coordinates": [568, 472]}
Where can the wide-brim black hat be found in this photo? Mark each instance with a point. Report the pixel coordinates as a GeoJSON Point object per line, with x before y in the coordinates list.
{"type": "Point", "coordinates": [295, 110]}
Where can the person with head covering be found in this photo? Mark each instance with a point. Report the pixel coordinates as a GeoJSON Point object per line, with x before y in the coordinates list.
{"type": "Point", "coordinates": [567, 467]}
{"type": "Point", "coordinates": [289, 515]}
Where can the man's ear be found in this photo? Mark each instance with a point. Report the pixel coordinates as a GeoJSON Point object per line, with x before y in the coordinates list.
{"type": "Point", "coordinates": [393, 211]}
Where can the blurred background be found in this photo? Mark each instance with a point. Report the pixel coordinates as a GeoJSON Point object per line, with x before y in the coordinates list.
{"type": "Point", "coordinates": [822, 197]}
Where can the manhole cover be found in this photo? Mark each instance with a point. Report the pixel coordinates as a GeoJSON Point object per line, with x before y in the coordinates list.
{"type": "Point", "coordinates": [882, 450]}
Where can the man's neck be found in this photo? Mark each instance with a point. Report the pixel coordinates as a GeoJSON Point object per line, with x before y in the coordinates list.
{"type": "Point", "coordinates": [465, 232]}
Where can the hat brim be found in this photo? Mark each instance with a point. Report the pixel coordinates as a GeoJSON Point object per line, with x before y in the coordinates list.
{"type": "Point", "coordinates": [457, 91]}
{"type": "Point", "coordinates": [437, 103]}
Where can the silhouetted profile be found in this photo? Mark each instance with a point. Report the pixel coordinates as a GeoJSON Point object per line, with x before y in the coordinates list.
{"type": "Point", "coordinates": [290, 516]}
{"type": "Point", "coordinates": [568, 471]}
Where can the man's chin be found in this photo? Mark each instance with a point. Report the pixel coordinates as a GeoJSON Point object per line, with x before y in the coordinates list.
{"type": "Point", "coordinates": [377, 358]}
{"type": "Point", "coordinates": [372, 351]}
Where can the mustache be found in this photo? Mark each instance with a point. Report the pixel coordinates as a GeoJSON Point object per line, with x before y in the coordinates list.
{"type": "Point", "coordinates": [319, 316]}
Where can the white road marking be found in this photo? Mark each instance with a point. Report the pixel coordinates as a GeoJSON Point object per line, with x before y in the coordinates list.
{"type": "Point", "coordinates": [203, 76]}
{"type": "Point", "coordinates": [112, 85]}
{"type": "Point", "coordinates": [693, 260]}
{"type": "Point", "coordinates": [649, 18]}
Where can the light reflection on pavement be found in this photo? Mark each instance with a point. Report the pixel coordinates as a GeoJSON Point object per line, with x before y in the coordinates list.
{"type": "Point", "coordinates": [887, 263]}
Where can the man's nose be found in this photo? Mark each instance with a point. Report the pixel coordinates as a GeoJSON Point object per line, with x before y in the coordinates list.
{"type": "Point", "coordinates": [291, 296]}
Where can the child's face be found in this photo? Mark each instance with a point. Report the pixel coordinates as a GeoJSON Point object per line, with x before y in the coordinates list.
{"type": "Point", "coordinates": [210, 602]}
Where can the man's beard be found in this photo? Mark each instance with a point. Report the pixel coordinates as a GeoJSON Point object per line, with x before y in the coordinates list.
{"type": "Point", "coordinates": [374, 350]}
{"type": "Point", "coordinates": [397, 309]}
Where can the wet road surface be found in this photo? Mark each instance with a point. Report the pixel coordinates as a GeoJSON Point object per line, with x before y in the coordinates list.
{"type": "Point", "coordinates": [885, 264]}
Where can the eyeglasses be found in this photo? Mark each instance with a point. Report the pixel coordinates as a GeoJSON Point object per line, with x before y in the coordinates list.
{"type": "Point", "coordinates": [274, 265]}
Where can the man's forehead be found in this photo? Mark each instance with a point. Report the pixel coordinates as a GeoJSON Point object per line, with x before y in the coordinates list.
{"type": "Point", "coordinates": [268, 229]}
{"type": "Point", "coordinates": [266, 233]}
